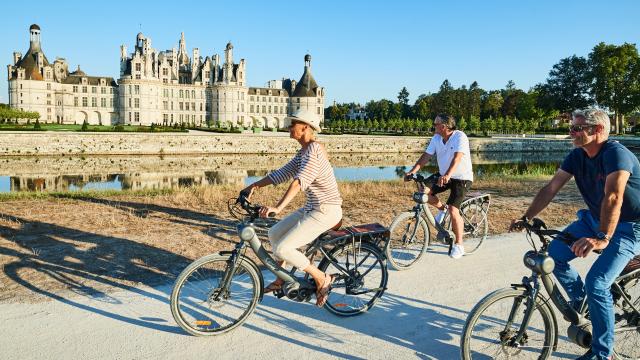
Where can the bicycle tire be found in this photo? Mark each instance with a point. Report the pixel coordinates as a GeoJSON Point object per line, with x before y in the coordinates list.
{"type": "Point", "coordinates": [626, 337]}
{"type": "Point", "coordinates": [200, 316]}
{"type": "Point", "coordinates": [399, 255]}
{"type": "Point", "coordinates": [477, 227]}
{"type": "Point", "coordinates": [493, 328]}
{"type": "Point", "coordinates": [358, 292]}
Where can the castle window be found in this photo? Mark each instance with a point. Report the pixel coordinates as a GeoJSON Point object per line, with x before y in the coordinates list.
{"type": "Point", "coordinates": [193, 106]}
{"type": "Point", "coordinates": [136, 103]}
{"type": "Point", "coordinates": [193, 94]}
{"type": "Point", "coordinates": [181, 106]}
{"type": "Point", "coordinates": [165, 72]}
{"type": "Point", "coordinates": [136, 89]}
{"type": "Point", "coordinates": [137, 116]}
{"type": "Point", "coordinates": [250, 108]}
{"type": "Point", "coordinates": [94, 90]}
{"type": "Point", "coordinates": [181, 94]}
{"type": "Point", "coordinates": [103, 90]}
{"type": "Point", "coordinates": [318, 111]}
{"type": "Point", "coordinates": [164, 81]}
{"type": "Point", "coordinates": [85, 101]}
{"type": "Point", "coordinates": [186, 93]}
{"type": "Point", "coordinates": [84, 89]}
{"type": "Point", "coordinates": [186, 106]}
{"type": "Point", "coordinates": [48, 86]}
{"type": "Point", "coordinates": [138, 67]}
{"type": "Point", "coordinates": [94, 102]}
{"type": "Point", "coordinates": [138, 77]}
{"type": "Point", "coordinates": [264, 109]}
{"type": "Point", "coordinates": [103, 102]}
{"type": "Point", "coordinates": [75, 101]}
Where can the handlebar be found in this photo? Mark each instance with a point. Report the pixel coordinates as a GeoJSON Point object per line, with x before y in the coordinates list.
{"type": "Point", "coordinates": [252, 210]}
{"type": "Point", "coordinates": [539, 228]}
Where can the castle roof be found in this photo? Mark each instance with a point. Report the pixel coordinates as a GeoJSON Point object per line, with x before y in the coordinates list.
{"type": "Point", "coordinates": [307, 85]}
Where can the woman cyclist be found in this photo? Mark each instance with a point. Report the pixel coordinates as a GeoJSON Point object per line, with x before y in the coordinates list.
{"type": "Point", "coordinates": [312, 173]}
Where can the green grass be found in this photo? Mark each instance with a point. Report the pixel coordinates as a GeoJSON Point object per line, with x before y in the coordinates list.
{"type": "Point", "coordinates": [92, 194]}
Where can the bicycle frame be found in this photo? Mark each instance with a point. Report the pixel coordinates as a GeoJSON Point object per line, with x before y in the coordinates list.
{"type": "Point", "coordinates": [541, 265]}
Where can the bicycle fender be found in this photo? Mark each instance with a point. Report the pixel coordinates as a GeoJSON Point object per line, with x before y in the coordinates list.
{"type": "Point", "coordinates": [255, 267]}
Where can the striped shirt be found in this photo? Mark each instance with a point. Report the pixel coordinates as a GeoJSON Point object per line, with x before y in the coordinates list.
{"type": "Point", "coordinates": [312, 168]}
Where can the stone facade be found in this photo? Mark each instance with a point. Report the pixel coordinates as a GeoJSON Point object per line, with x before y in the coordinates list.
{"type": "Point", "coordinates": [58, 95]}
{"type": "Point", "coordinates": [34, 143]}
{"type": "Point", "coordinates": [162, 87]}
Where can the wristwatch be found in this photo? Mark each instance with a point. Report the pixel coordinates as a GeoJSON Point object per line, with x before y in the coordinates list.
{"type": "Point", "coordinates": [602, 236]}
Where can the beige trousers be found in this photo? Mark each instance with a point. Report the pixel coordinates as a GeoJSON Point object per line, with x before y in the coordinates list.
{"type": "Point", "coordinates": [300, 228]}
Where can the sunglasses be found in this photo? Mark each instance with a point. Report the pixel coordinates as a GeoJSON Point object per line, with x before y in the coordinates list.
{"type": "Point", "coordinates": [578, 128]}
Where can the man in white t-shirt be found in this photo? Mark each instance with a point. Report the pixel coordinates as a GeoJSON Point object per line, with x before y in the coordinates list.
{"type": "Point", "coordinates": [451, 148]}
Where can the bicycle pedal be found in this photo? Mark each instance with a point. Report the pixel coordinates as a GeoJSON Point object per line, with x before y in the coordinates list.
{"type": "Point", "coordinates": [278, 293]}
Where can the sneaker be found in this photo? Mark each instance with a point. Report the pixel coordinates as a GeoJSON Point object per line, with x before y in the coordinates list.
{"type": "Point", "coordinates": [440, 216]}
{"type": "Point", "coordinates": [589, 355]}
{"type": "Point", "coordinates": [457, 251]}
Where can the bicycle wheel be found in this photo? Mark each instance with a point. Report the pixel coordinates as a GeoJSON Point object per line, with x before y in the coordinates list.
{"type": "Point", "coordinates": [493, 323]}
{"type": "Point", "coordinates": [202, 308]}
{"type": "Point", "coordinates": [476, 226]}
{"type": "Point", "coordinates": [361, 278]}
{"type": "Point", "coordinates": [408, 240]}
{"type": "Point", "coordinates": [627, 326]}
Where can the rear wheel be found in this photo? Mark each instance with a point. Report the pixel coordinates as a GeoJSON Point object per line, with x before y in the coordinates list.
{"type": "Point", "coordinates": [627, 322]}
{"type": "Point", "coordinates": [491, 328]}
{"type": "Point", "coordinates": [476, 226]}
{"type": "Point", "coordinates": [360, 278]}
{"type": "Point", "coordinates": [202, 306]}
{"type": "Point", "coordinates": [408, 240]}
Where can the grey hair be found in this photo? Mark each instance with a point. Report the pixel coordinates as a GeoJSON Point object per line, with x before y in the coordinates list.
{"type": "Point", "coordinates": [594, 116]}
{"type": "Point", "coordinates": [447, 120]}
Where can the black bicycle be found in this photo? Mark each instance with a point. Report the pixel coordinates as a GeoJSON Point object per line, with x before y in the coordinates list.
{"type": "Point", "coordinates": [218, 292]}
{"type": "Point", "coordinates": [409, 230]}
{"type": "Point", "coordinates": [519, 321]}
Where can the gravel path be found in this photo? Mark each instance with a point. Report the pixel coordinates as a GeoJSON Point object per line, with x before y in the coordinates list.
{"type": "Point", "coordinates": [420, 316]}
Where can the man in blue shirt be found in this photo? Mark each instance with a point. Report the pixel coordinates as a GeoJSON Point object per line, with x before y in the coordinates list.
{"type": "Point", "coordinates": [608, 177]}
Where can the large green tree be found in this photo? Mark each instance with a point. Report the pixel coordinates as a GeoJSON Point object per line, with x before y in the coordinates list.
{"type": "Point", "coordinates": [567, 87]}
{"type": "Point", "coordinates": [615, 72]}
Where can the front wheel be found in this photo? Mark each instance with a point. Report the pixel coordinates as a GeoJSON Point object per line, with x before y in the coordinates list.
{"type": "Point", "coordinates": [203, 306]}
{"type": "Point", "coordinates": [408, 240]}
{"type": "Point", "coordinates": [361, 278]}
{"type": "Point", "coordinates": [491, 328]}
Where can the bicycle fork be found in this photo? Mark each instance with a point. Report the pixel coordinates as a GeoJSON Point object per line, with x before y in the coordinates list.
{"type": "Point", "coordinates": [521, 336]}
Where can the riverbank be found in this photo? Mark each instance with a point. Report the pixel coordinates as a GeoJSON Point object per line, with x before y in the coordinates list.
{"type": "Point", "coordinates": [93, 243]}
{"type": "Point", "coordinates": [61, 143]}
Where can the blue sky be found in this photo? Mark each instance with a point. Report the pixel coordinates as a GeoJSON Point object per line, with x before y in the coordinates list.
{"type": "Point", "coordinates": [361, 50]}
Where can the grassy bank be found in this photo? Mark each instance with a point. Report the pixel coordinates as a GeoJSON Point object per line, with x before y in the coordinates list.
{"type": "Point", "coordinates": [93, 242]}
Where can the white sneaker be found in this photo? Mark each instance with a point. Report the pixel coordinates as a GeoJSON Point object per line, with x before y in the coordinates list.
{"type": "Point", "coordinates": [457, 251]}
{"type": "Point", "coordinates": [440, 216]}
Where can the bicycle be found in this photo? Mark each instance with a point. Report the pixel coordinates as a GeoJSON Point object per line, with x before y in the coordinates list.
{"type": "Point", "coordinates": [410, 234]}
{"type": "Point", "coordinates": [217, 293]}
{"type": "Point", "coordinates": [520, 321]}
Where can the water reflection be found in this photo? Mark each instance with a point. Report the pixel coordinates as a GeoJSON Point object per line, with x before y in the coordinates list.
{"type": "Point", "coordinates": [171, 172]}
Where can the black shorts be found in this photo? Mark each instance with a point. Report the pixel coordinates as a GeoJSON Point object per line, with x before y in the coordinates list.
{"type": "Point", "coordinates": [458, 189]}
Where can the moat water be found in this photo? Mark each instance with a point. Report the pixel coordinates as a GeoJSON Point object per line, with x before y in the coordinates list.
{"type": "Point", "coordinates": [66, 173]}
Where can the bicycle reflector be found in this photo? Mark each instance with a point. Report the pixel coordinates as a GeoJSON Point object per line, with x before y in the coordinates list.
{"type": "Point", "coordinates": [340, 305]}
{"type": "Point", "coordinates": [203, 322]}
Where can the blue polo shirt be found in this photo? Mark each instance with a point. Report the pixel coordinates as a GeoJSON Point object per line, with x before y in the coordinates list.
{"type": "Point", "coordinates": [591, 173]}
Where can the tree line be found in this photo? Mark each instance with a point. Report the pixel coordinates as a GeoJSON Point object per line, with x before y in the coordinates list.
{"type": "Point", "coordinates": [8, 114]}
{"type": "Point", "coordinates": [608, 77]}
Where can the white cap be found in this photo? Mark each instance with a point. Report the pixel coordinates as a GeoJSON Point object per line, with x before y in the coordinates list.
{"type": "Point", "coordinates": [305, 116]}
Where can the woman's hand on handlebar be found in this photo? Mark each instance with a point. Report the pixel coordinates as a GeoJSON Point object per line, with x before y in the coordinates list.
{"type": "Point", "coordinates": [408, 176]}
{"type": "Point", "coordinates": [268, 211]}
{"type": "Point", "coordinates": [248, 191]}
